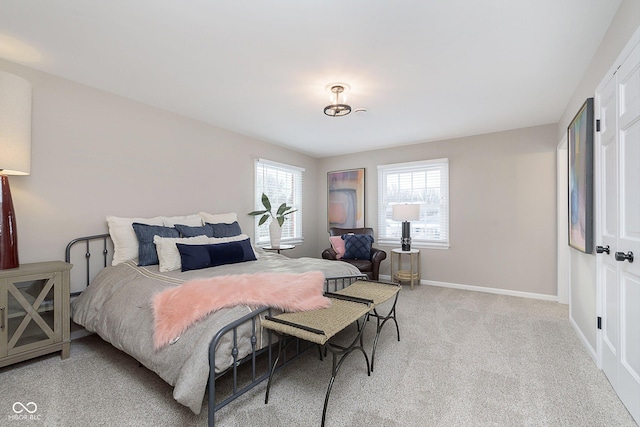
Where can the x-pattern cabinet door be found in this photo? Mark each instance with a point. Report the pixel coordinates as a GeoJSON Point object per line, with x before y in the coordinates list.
{"type": "Point", "coordinates": [32, 304]}
{"type": "Point", "coordinates": [34, 311]}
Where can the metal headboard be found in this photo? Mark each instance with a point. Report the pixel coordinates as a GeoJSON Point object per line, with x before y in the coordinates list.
{"type": "Point", "coordinates": [88, 239]}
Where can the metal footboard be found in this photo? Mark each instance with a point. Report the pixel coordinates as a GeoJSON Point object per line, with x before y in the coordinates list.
{"type": "Point", "coordinates": [336, 283]}
{"type": "Point", "coordinates": [256, 379]}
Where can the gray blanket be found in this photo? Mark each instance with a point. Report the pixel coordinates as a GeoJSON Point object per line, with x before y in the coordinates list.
{"type": "Point", "coordinates": [117, 306]}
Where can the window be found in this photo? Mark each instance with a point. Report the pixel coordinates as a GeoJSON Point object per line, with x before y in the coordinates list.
{"type": "Point", "coordinates": [425, 183]}
{"type": "Point", "coordinates": [283, 184]}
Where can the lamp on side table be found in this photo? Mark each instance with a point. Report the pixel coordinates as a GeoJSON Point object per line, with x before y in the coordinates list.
{"type": "Point", "coordinates": [405, 213]}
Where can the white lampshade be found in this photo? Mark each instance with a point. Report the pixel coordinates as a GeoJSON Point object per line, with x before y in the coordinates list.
{"type": "Point", "coordinates": [406, 212]}
{"type": "Point", "coordinates": [15, 125]}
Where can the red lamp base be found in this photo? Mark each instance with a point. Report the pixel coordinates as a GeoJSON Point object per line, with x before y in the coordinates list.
{"type": "Point", "coordinates": [8, 231]}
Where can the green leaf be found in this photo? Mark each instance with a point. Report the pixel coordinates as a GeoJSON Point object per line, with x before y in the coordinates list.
{"type": "Point", "coordinates": [264, 219]}
{"type": "Point", "coordinates": [266, 202]}
{"type": "Point", "coordinates": [280, 220]}
{"type": "Point", "coordinates": [283, 207]}
{"type": "Point", "coordinates": [256, 213]}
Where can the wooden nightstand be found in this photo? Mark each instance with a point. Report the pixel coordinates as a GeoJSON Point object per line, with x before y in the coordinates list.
{"type": "Point", "coordinates": [34, 311]}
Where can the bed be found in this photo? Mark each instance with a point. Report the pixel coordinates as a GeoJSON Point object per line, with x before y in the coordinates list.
{"type": "Point", "coordinates": [117, 306]}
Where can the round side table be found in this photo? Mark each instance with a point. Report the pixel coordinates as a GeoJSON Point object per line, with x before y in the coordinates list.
{"type": "Point", "coordinates": [413, 274]}
{"type": "Point", "coordinates": [278, 248]}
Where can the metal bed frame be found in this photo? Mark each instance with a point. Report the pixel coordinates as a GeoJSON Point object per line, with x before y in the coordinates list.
{"type": "Point", "coordinates": [331, 284]}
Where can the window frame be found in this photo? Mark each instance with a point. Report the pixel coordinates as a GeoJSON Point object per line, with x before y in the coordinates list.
{"type": "Point", "coordinates": [384, 238]}
{"type": "Point", "coordinates": [294, 199]}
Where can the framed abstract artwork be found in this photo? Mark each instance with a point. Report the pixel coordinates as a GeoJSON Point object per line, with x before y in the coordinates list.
{"type": "Point", "coordinates": [580, 138]}
{"type": "Point", "coordinates": [345, 198]}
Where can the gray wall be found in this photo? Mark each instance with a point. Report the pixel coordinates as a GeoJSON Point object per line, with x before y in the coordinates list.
{"type": "Point", "coordinates": [96, 154]}
{"type": "Point", "coordinates": [502, 208]}
{"type": "Point", "coordinates": [583, 266]}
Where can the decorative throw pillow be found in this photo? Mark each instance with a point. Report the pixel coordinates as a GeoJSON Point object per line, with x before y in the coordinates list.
{"type": "Point", "coordinates": [171, 221]}
{"type": "Point", "coordinates": [147, 254]}
{"type": "Point", "coordinates": [189, 231]}
{"type": "Point", "coordinates": [168, 253]}
{"type": "Point", "coordinates": [338, 245]}
{"type": "Point", "coordinates": [226, 218]}
{"type": "Point", "coordinates": [225, 230]}
{"type": "Point", "coordinates": [125, 242]}
{"type": "Point", "coordinates": [195, 257]}
{"type": "Point", "coordinates": [357, 246]}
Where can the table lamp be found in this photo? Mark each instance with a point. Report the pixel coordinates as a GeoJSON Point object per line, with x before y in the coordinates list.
{"type": "Point", "coordinates": [405, 213]}
{"type": "Point", "coordinates": [15, 157]}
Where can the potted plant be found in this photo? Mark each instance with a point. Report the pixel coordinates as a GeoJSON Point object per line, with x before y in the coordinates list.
{"type": "Point", "coordinates": [277, 219]}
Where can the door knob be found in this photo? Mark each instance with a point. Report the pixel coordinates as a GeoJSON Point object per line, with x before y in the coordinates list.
{"type": "Point", "coordinates": [621, 256]}
{"type": "Point", "coordinates": [601, 249]}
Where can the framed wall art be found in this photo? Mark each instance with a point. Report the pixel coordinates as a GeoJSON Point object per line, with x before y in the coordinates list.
{"type": "Point", "coordinates": [580, 139]}
{"type": "Point", "coordinates": [345, 198]}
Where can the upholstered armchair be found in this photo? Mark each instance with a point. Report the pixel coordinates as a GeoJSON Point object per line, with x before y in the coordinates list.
{"type": "Point", "coordinates": [371, 266]}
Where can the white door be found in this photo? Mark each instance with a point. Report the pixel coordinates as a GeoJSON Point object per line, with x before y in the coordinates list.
{"type": "Point", "coordinates": [617, 153]}
{"type": "Point", "coordinates": [606, 153]}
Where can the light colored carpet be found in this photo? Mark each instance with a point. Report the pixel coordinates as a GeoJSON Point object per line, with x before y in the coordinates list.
{"type": "Point", "coordinates": [464, 359]}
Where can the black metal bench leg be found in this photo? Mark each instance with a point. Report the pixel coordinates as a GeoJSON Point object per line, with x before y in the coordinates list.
{"type": "Point", "coordinates": [342, 352]}
{"type": "Point", "coordinates": [281, 347]}
{"type": "Point", "coordinates": [390, 316]}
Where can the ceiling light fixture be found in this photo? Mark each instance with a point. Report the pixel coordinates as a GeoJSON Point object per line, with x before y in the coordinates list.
{"type": "Point", "coordinates": [337, 109]}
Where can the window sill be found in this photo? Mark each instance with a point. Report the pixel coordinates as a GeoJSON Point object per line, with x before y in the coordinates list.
{"type": "Point", "coordinates": [421, 245]}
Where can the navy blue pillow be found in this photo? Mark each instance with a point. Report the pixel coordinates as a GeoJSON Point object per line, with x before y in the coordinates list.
{"type": "Point", "coordinates": [195, 257]}
{"type": "Point", "coordinates": [147, 254]}
{"type": "Point", "coordinates": [357, 246]}
{"type": "Point", "coordinates": [225, 230]}
{"type": "Point", "coordinates": [190, 231]}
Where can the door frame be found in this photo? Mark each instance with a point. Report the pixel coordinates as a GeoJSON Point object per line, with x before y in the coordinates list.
{"type": "Point", "coordinates": [563, 269]}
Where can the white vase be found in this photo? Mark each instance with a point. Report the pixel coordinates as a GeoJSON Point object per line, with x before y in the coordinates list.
{"type": "Point", "coordinates": [275, 233]}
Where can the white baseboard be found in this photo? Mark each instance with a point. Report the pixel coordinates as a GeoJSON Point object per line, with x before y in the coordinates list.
{"type": "Point", "coordinates": [512, 293]}
{"type": "Point", "coordinates": [585, 342]}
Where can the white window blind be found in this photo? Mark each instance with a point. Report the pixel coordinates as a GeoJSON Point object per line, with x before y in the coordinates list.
{"type": "Point", "coordinates": [283, 184]}
{"type": "Point", "coordinates": [425, 183]}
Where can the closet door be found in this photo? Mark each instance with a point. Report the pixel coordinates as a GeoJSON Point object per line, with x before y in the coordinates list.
{"type": "Point", "coordinates": [618, 182]}
{"type": "Point", "coordinates": [606, 152]}
{"type": "Point", "coordinates": [628, 77]}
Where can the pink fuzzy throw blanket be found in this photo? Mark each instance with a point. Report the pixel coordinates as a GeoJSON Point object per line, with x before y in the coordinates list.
{"type": "Point", "coordinates": [178, 308]}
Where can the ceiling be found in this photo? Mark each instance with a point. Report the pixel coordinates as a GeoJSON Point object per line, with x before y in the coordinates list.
{"type": "Point", "coordinates": [424, 70]}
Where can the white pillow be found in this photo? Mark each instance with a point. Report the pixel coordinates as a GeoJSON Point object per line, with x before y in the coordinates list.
{"type": "Point", "coordinates": [125, 242]}
{"type": "Point", "coordinates": [228, 218]}
{"type": "Point", "coordinates": [168, 253]}
{"type": "Point", "coordinates": [191, 220]}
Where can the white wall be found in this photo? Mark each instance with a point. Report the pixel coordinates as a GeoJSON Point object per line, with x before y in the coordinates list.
{"type": "Point", "coordinates": [502, 207]}
{"type": "Point", "coordinates": [583, 266]}
{"type": "Point", "coordinates": [95, 154]}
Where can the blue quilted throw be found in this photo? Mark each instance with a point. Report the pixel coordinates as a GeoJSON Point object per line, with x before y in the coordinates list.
{"type": "Point", "coordinates": [357, 246]}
